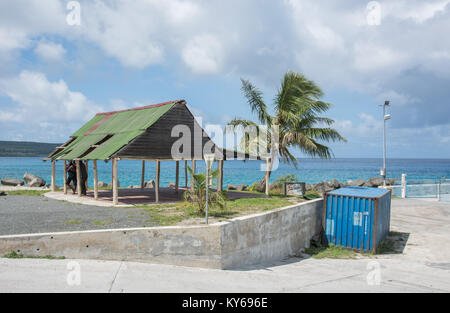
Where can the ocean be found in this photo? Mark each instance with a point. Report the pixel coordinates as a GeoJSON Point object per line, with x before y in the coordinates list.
{"type": "Point", "coordinates": [239, 172]}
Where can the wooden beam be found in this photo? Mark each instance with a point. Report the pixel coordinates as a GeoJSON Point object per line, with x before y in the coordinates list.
{"type": "Point", "coordinates": [220, 176]}
{"type": "Point", "coordinates": [157, 172]}
{"type": "Point", "coordinates": [53, 185]}
{"type": "Point", "coordinates": [115, 184]}
{"type": "Point", "coordinates": [192, 177]}
{"type": "Point", "coordinates": [143, 175]}
{"type": "Point", "coordinates": [78, 178]}
{"type": "Point", "coordinates": [177, 175]}
{"type": "Point", "coordinates": [185, 174]}
{"type": "Point", "coordinates": [95, 180]}
{"type": "Point", "coordinates": [65, 177]}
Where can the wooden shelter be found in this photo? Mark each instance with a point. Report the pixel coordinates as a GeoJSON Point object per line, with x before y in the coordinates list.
{"type": "Point", "coordinates": [149, 133]}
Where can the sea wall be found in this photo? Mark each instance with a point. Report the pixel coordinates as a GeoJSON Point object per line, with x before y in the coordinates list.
{"type": "Point", "coordinates": [241, 241]}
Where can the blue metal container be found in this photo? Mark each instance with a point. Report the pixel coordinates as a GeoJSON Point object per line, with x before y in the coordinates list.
{"type": "Point", "coordinates": [357, 217]}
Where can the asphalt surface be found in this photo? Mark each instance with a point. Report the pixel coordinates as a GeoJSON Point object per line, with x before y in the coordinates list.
{"type": "Point", "coordinates": [38, 214]}
{"type": "Point", "coordinates": [420, 263]}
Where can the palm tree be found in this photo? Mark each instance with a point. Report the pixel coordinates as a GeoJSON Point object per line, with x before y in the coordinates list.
{"type": "Point", "coordinates": [297, 109]}
{"type": "Point", "coordinates": [197, 195]}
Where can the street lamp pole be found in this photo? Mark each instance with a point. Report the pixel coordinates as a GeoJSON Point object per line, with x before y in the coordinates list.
{"type": "Point", "coordinates": [209, 159]}
{"type": "Point", "coordinates": [385, 118]}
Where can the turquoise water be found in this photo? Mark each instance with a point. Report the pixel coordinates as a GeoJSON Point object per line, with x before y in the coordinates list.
{"type": "Point", "coordinates": [238, 172]}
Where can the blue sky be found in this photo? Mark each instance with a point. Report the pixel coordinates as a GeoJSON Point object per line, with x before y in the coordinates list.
{"type": "Point", "coordinates": [55, 76]}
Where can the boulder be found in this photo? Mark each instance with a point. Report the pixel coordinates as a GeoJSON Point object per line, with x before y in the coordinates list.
{"type": "Point", "coordinates": [240, 187]}
{"type": "Point", "coordinates": [323, 187]}
{"type": "Point", "coordinates": [275, 185]}
{"type": "Point", "coordinates": [35, 183]}
{"type": "Point", "coordinates": [376, 181]}
{"type": "Point", "coordinates": [102, 184]}
{"type": "Point", "coordinates": [390, 182]}
{"type": "Point", "coordinates": [171, 185]}
{"type": "Point", "coordinates": [110, 184]}
{"type": "Point", "coordinates": [149, 184]}
{"type": "Point", "coordinates": [33, 180]}
{"type": "Point", "coordinates": [11, 182]}
{"type": "Point", "coordinates": [357, 182]}
{"type": "Point", "coordinates": [335, 184]}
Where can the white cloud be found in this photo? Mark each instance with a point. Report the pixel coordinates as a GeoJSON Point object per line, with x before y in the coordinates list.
{"type": "Point", "coordinates": [38, 100]}
{"type": "Point", "coordinates": [50, 51]}
{"type": "Point", "coordinates": [203, 54]}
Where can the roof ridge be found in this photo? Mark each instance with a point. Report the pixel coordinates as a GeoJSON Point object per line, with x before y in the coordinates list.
{"type": "Point", "coordinates": [141, 108]}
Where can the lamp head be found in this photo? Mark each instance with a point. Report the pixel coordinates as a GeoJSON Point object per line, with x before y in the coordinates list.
{"type": "Point", "coordinates": [209, 159]}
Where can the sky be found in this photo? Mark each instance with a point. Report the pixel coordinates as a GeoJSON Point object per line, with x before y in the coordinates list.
{"type": "Point", "coordinates": [61, 62]}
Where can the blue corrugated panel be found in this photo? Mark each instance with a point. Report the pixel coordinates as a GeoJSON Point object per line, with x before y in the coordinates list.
{"type": "Point", "coordinates": [357, 217]}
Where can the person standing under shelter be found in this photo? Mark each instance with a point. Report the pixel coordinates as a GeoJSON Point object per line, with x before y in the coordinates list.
{"type": "Point", "coordinates": [72, 176]}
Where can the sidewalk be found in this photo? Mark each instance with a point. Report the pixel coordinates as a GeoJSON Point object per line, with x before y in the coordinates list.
{"type": "Point", "coordinates": [423, 267]}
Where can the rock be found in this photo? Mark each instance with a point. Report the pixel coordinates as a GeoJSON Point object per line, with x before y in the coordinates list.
{"type": "Point", "coordinates": [357, 182]}
{"type": "Point", "coordinates": [110, 184]}
{"type": "Point", "coordinates": [11, 182]}
{"type": "Point", "coordinates": [335, 184]}
{"type": "Point", "coordinates": [308, 187]}
{"type": "Point", "coordinates": [171, 185]}
{"type": "Point", "coordinates": [377, 181]}
{"type": "Point", "coordinates": [35, 183]}
{"type": "Point", "coordinates": [149, 184]}
{"type": "Point", "coordinates": [134, 187]}
{"type": "Point", "coordinates": [33, 180]}
{"type": "Point", "coordinates": [275, 185]}
{"type": "Point", "coordinates": [374, 182]}
{"type": "Point", "coordinates": [323, 187]}
{"type": "Point", "coordinates": [102, 184]}
{"type": "Point", "coordinates": [390, 182]}
{"type": "Point", "coordinates": [240, 187]}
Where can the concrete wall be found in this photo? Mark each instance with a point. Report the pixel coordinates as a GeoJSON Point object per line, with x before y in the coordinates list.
{"type": "Point", "coordinates": [241, 241]}
{"type": "Point", "coordinates": [270, 236]}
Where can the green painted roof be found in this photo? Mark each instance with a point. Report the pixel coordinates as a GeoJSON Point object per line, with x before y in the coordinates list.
{"type": "Point", "coordinates": [120, 127]}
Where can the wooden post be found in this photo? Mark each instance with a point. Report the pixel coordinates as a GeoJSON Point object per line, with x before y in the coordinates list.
{"type": "Point", "coordinates": [185, 174]}
{"type": "Point", "coordinates": [78, 179]}
{"type": "Point", "coordinates": [95, 180]}
{"type": "Point", "coordinates": [177, 175]}
{"type": "Point", "coordinates": [87, 173]}
{"type": "Point", "coordinates": [115, 184]}
{"type": "Point", "coordinates": [220, 176]}
{"type": "Point", "coordinates": [53, 185]}
{"type": "Point", "coordinates": [157, 171]}
{"type": "Point", "coordinates": [65, 177]}
{"type": "Point", "coordinates": [143, 175]}
{"type": "Point", "coordinates": [267, 178]}
{"type": "Point", "coordinates": [192, 176]}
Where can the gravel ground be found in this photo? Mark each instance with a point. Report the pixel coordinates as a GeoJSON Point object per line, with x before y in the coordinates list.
{"type": "Point", "coordinates": [38, 214]}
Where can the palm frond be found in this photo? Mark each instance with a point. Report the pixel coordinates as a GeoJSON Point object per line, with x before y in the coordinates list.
{"type": "Point", "coordinates": [256, 102]}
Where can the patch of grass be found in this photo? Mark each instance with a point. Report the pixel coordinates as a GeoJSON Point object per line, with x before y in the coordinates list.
{"type": "Point", "coordinates": [171, 214]}
{"type": "Point", "coordinates": [102, 223]}
{"type": "Point", "coordinates": [27, 192]}
{"type": "Point", "coordinates": [386, 246]}
{"type": "Point", "coordinates": [15, 255]}
{"type": "Point", "coordinates": [311, 195]}
{"type": "Point", "coordinates": [72, 222]}
{"type": "Point", "coordinates": [330, 252]}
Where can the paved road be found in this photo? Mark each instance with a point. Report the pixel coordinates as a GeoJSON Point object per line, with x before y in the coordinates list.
{"type": "Point", "coordinates": [38, 214]}
{"type": "Point", "coordinates": [424, 266]}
